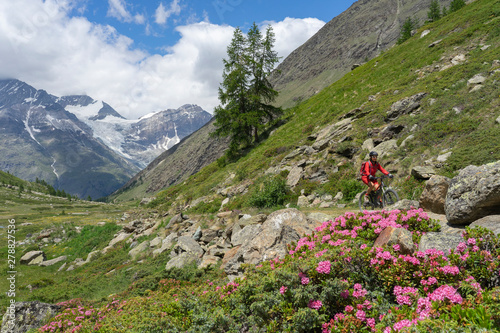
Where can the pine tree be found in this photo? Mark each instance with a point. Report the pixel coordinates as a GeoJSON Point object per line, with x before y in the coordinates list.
{"type": "Point", "coordinates": [245, 92]}
{"type": "Point", "coordinates": [456, 5]}
{"type": "Point", "coordinates": [406, 30]}
{"type": "Point", "coordinates": [434, 12]}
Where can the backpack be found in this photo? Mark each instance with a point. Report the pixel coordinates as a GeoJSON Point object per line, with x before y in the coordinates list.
{"type": "Point", "coordinates": [362, 169]}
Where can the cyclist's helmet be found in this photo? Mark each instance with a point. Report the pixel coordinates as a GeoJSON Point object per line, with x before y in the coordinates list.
{"type": "Point", "coordinates": [373, 153]}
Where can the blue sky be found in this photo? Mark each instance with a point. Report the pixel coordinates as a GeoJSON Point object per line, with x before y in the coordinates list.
{"type": "Point", "coordinates": [142, 56]}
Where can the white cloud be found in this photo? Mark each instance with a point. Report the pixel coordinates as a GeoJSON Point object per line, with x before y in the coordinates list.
{"type": "Point", "coordinates": [41, 45]}
{"type": "Point", "coordinates": [118, 10]}
{"type": "Point", "coordinates": [162, 14]}
{"type": "Point", "coordinates": [292, 33]}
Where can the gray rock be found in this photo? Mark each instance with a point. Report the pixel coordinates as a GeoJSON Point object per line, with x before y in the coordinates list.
{"type": "Point", "coordinates": [38, 260]}
{"type": "Point", "coordinates": [294, 176]}
{"type": "Point", "coordinates": [174, 220]}
{"type": "Point", "coordinates": [248, 232]}
{"type": "Point", "coordinates": [119, 238]}
{"type": "Point", "coordinates": [443, 157]}
{"type": "Point", "coordinates": [208, 235]}
{"type": "Point", "coordinates": [385, 148]}
{"type": "Point", "coordinates": [498, 120]}
{"type": "Point", "coordinates": [491, 222]}
{"type": "Point", "coordinates": [189, 245]}
{"type": "Point", "coordinates": [473, 193]}
{"type": "Point", "coordinates": [53, 261]}
{"type": "Point", "coordinates": [368, 145]}
{"type": "Point", "coordinates": [24, 316]}
{"type": "Point", "coordinates": [28, 257]}
{"type": "Point", "coordinates": [156, 242]}
{"type": "Point", "coordinates": [422, 172]}
{"type": "Point", "coordinates": [439, 241]}
{"type": "Point", "coordinates": [197, 234]}
{"type": "Point", "coordinates": [92, 255]}
{"type": "Point", "coordinates": [139, 249]}
{"type": "Point", "coordinates": [405, 106]}
{"type": "Point", "coordinates": [182, 260]}
{"type": "Point", "coordinates": [318, 218]}
{"type": "Point", "coordinates": [208, 260]}
{"type": "Point", "coordinates": [434, 195]}
{"type": "Point", "coordinates": [476, 79]}
{"type": "Point", "coordinates": [302, 201]}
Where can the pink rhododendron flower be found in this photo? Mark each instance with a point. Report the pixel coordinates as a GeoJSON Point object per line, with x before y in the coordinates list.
{"type": "Point", "coordinates": [283, 290]}
{"type": "Point", "coordinates": [304, 280]}
{"type": "Point", "coordinates": [361, 315]}
{"type": "Point", "coordinates": [315, 304]}
{"type": "Point", "coordinates": [324, 267]}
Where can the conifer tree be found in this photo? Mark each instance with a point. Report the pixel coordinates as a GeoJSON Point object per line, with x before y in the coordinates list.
{"type": "Point", "coordinates": [434, 12]}
{"type": "Point", "coordinates": [245, 92]}
{"type": "Point", "coordinates": [408, 26]}
{"type": "Point", "coordinates": [456, 5]}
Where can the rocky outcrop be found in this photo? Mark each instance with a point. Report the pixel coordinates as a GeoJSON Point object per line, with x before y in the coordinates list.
{"type": "Point", "coordinates": [24, 316]}
{"type": "Point", "coordinates": [281, 228]}
{"type": "Point", "coordinates": [473, 194]}
{"type": "Point", "coordinates": [439, 241]}
{"type": "Point", "coordinates": [434, 195]}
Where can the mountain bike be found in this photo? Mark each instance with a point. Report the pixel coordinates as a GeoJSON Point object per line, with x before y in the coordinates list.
{"type": "Point", "coordinates": [380, 198]}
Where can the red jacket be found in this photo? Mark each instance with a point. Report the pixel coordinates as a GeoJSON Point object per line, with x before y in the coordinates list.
{"type": "Point", "coordinates": [371, 169]}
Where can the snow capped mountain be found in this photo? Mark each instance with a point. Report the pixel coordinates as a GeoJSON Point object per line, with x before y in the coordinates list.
{"type": "Point", "coordinates": [140, 140]}
{"type": "Point", "coordinates": [79, 144]}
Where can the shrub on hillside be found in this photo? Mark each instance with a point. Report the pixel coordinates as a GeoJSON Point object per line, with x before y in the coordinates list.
{"type": "Point", "coordinates": [272, 192]}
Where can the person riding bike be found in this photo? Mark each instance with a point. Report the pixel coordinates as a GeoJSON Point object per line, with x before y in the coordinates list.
{"type": "Point", "coordinates": [368, 174]}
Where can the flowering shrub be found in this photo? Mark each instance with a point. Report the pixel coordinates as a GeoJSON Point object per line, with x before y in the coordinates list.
{"type": "Point", "coordinates": [333, 280]}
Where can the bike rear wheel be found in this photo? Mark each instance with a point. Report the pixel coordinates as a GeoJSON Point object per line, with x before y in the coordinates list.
{"type": "Point", "coordinates": [365, 206]}
{"type": "Point", "coordinates": [390, 197]}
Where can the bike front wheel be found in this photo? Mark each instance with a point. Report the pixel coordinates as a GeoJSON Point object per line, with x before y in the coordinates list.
{"type": "Point", "coordinates": [390, 197]}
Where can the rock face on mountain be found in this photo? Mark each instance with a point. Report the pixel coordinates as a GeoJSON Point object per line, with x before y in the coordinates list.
{"type": "Point", "coordinates": [176, 164]}
{"type": "Point", "coordinates": [362, 32]}
{"type": "Point", "coordinates": [139, 141]}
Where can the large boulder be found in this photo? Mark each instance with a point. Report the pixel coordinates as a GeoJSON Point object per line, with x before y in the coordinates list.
{"type": "Point", "coordinates": [473, 194]}
{"type": "Point", "coordinates": [281, 228]}
{"type": "Point", "coordinates": [434, 195]}
{"type": "Point", "coordinates": [491, 222]}
{"type": "Point", "coordinates": [21, 317]}
{"type": "Point", "coordinates": [439, 241]}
